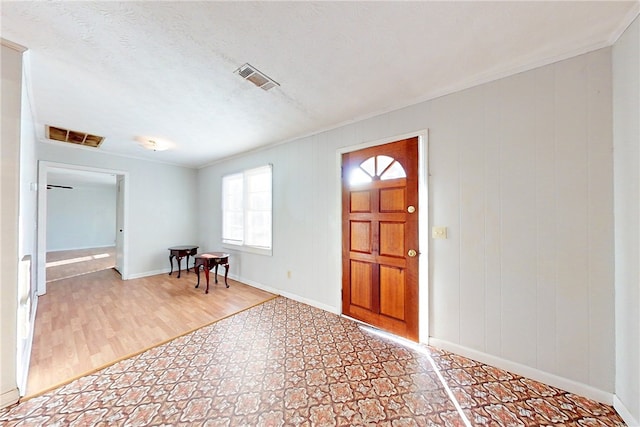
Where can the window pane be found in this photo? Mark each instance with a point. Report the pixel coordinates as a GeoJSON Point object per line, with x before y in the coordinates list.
{"type": "Point", "coordinates": [258, 207]}
{"type": "Point", "coordinates": [259, 227]}
{"type": "Point", "coordinates": [395, 171]}
{"type": "Point", "coordinates": [369, 166]}
{"type": "Point", "coordinates": [383, 162]}
{"type": "Point", "coordinates": [247, 217]}
{"type": "Point", "coordinates": [232, 209]}
{"type": "Point", "coordinates": [358, 176]}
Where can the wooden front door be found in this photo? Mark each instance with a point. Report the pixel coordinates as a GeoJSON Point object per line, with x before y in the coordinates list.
{"type": "Point", "coordinates": [380, 236]}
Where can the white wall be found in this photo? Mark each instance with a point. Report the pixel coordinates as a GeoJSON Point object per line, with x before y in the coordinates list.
{"type": "Point", "coordinates": [9, 207]}
{"type": "Point", "coordinates": [27, 233]}
{"type": "Point", "coordinates": [162, 203]}
{"type": "Point", "coordinates": [626, 132]}
{"type": "Point", "coordinates": [28, 176]}
{"type": "Point", "coordinates": [80, 218]}
{"type": "Point", "coordinates": [520, 173]}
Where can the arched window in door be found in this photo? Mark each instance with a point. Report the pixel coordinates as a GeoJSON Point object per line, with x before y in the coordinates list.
{"type": "Point", "coordinates": [377, 168]}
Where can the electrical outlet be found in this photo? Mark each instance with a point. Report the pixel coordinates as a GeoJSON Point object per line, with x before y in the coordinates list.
{"type": "Point", "coordinates": [439, 232]}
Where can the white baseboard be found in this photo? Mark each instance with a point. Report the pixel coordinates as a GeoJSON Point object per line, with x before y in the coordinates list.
{"type": "Point", "coordinates": [624, 413]}
{"type": "Point", "coordinates": [150, 273]}
{"type": "Point", "coordinates": [9, 397]}
{"type": "Point", "coordinates": [526, 371]}
{"type": "Point", "coordinates": [289, 295]}
{"type": "Point", "coordinates": [82, 247]}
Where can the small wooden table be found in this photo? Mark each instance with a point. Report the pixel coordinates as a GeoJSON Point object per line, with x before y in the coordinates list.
{"type": "Point", "coordinates": [208, 261]}
{"type": "Point", "coordinates": [180, 252]}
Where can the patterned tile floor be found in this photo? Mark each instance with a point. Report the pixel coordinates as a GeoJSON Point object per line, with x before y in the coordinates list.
{"type": "Point", "coordinates": [286, 363]}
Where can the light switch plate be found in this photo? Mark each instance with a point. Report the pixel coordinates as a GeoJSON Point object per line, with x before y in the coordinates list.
{"type": "Point", "coordinates": [439, 232]}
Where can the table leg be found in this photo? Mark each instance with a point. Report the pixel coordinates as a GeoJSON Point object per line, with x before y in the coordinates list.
{"type": "Point", "coordinates": [197, 268]}
{"type": "Point", "coordinates": [187, 263]}
{"type": "Point", "coordinates": [171, 262]}
{"type": "Point", "coordinates": [206, 274]}
{"type": "Point", "coordinates": [179, 265]}
{"type": "Point", "coordinates": [226, 273]}
{"type": "Point", "coordinates": [216, 273]}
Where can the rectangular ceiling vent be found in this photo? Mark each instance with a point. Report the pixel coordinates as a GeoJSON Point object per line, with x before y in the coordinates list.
{"type": "Point", "coordinates": [73, 137]}
{"type": "Point", "coordinates": [249, 72]}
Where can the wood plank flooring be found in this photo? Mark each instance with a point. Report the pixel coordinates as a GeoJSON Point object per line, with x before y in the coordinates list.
{"type": "Point", "coordinates": [86, 322]}
{"type": "Point", "coordinates": [70, 263]}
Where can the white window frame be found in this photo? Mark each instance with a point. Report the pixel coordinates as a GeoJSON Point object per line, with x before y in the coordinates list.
{"type": "Point", "coordinates": [237, 242]}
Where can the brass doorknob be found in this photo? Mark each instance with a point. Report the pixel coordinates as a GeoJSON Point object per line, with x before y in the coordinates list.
{"type": "Point", "coordinates": [411, 209]}
{"type": "Point", "coordinates": [412, 253]}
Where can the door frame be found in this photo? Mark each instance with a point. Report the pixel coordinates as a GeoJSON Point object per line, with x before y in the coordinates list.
{"type": "Point", "coordinates": [423, 221]}
{"type": "Point", "coordinates": [44, 167]}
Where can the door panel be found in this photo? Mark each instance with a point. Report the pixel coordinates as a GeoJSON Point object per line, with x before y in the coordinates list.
{"type": "Point", "coordinates": [361, 236]}
{"type": "Point", "coordinates": [392, 239]}
{"type": "Point", "coordinates": [360, 201]}
{"type": "Point", "coordinates": [392, 287]}
{"type": "Point", "coordinates": [361, 280]}
{"type": "Point", "coordinates": [392, 200]}
{"type": "Point", "coordinates": [380, 227]}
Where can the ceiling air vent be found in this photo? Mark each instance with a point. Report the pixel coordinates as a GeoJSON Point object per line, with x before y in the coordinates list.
{"type": "Point", "coordinates": [73, 137]}
{"type": "Point", "coordinates": [249, 72]}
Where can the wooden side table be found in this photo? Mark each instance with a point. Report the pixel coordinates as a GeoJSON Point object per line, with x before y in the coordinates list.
{"type": "Point", "coordinates": [208, 261]}
{"type": "Point", "coordinates": [180, 252]}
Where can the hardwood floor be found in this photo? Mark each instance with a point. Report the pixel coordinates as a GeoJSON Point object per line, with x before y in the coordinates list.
{"type": "Point", "coordinates": [64, 264]}
{"type": "Point", "coordinates": [86, 322]}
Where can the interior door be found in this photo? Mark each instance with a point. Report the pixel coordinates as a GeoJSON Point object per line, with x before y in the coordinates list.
{"type": "Point", "coordinates": [380, 236]}
{"type": "Point", "coordinates": [120, 224]}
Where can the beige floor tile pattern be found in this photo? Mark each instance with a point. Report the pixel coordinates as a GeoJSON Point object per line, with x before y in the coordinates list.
{"type": "Point", "coordinates": [286, 363]}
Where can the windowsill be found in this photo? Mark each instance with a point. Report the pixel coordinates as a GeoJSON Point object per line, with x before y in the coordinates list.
{"type": "Point", "coordinates": [248, 249]}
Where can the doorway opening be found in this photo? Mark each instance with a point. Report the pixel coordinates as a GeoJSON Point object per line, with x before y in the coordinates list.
{"type": "Point", "coordinates": [385, 235]}
{"type": "Point", "coordinates": [107, 244]}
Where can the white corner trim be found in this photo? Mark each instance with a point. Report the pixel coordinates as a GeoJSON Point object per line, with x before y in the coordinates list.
{"type": "Point", "coordinates": [527, 371]}
{"type": "Point", "coordinates": [12, 45]}
{"type": "Point", "coordinates": [624, 24]}
{"type": "Point", "coordinates": [624, 413]}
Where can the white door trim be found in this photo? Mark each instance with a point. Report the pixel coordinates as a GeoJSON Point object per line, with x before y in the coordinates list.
{"type": "Point", "coordinates": [423, 218]}
{"type": "Point", "coordinates": [43, 169]}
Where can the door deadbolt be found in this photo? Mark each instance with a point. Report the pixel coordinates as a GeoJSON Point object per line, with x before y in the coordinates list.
{"type": "Point", "coordinates": [411, 209]}
{"type": "Point", "coordinates": [412, 253]}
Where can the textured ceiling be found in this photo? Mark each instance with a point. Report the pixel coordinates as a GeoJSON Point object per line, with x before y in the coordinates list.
{"type": "Point", "coordinates": [164, 70]}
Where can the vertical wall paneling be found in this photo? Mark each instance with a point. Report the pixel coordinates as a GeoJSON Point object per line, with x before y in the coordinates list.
{"type": "Point", "coordinates": [572, 296]}
{"type": "Point", "coordinates": [517, 230]}
{"type": "Point", "coordinates": [492, 219]}
{"type": "Point", "coordinates": [472, 194]}
{"type": "Point", "coordinates": [546, 220]}
{"type": "Point", "coordinates": [517, 173]}
{"type": "Point", "coordinates": [444, 211]}
{"type": "Point", "coordinates": [599, 209]}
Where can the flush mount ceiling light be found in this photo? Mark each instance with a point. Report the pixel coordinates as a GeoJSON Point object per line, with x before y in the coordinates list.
{"type": "Point", "coordinates": [154, 144]}
{"type": "Point", "coordinates": [249, 72]}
